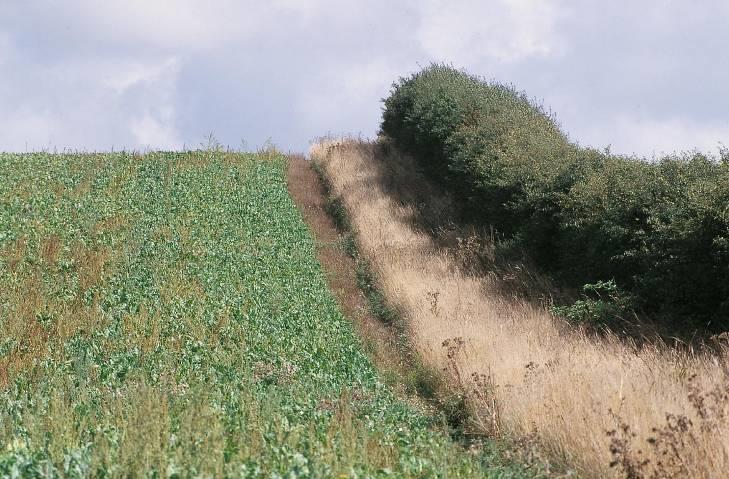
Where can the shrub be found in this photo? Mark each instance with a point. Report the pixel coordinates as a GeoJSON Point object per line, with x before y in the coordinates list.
{"type": "Point", "coordinates": [603, 304]}
{"type": "Point", "coordinates": [660, 229]}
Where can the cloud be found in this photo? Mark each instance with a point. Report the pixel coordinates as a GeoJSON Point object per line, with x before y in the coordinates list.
{"type": "Point", "coordinates": [158, 73]}
{"type": "Point", "coordinates": [167, 24]}
{"type": "Point", "coordinates": [5, 48]}
{"type": "Point", "coordinates": [152, 132]}
{"type": "Point", "coordinates": [349, 93]}
{"type": "Point", "coordinates": [26, 130]}
{"type": "Point", "coordinates": [90, 103]}
{"type": "Point", "coordinates": [155, 126]}
{"type": "Point", "coordinates": [135, 73]}
{"type": "Point", "coordinates": [656, 137]}
{"type": "Point", "coordinates": [473, 31]}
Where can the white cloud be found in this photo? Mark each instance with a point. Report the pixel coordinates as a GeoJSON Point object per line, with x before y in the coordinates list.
{"type": "Point", "coordinates": [136, 73]}
{"type": "Point", "coordinates": [175, 25]}
{"type": "Point", "coordinates": [655, 137]}
{"type": "Point", "coordinates": [468, 32]}
{"type": "Point", "coordinates": [155, 133]}
{"type": "Point", "coordinates": [26, 129]}
{"type": "Point", "coordinates": [155, 127]}
{"type": "Point", "coordinates": [89, 104]}
{"type": "Point", "coordinates": [306, 8]}
{"type": "Point", "coordinates": [349, 93]}
{"type": "Point", "coordinates": [122, 72]}
{"type": "Point", "coordinates": [172, 24]}
{"type": "Point", "coordinates": [5, 48]}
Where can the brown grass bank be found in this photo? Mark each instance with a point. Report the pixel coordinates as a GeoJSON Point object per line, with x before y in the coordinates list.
{"type": "Point", "coordinates": [606, 407]}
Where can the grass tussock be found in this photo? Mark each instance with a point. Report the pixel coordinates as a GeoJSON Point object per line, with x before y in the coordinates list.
{"type": "Point", "coordinates": [604, 405]}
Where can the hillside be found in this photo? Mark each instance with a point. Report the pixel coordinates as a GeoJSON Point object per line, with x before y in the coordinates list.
{"type": "Point", "coordinates": [165, 315]}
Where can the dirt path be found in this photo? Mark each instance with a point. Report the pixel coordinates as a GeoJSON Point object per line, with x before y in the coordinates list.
{"type": "Point", "coordinates": [340, 269]}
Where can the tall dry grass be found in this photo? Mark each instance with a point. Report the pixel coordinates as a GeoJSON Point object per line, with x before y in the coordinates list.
{"type": "Point", "coordinates": [606, 407]}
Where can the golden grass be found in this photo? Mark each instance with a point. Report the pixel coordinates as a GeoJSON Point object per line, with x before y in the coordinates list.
{"type": "Point", "coordinates": [603, 406]}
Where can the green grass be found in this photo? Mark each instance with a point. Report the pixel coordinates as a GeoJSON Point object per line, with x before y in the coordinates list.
{"type": "Point", "coordinates": [164, 316]}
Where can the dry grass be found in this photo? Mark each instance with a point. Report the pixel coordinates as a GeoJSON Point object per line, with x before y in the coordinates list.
{"type": "Point", "coordinates": [604, 406]}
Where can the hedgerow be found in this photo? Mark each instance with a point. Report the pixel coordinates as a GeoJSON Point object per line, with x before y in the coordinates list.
{"type": "Point", "coordinates": [659, 229]}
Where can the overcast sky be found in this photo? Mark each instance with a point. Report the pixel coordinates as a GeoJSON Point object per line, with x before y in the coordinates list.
{"type": "Point", "coordinates": [641, 76]}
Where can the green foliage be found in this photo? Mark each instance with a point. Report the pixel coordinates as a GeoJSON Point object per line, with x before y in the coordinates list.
{"type": "Point", "coordinates": [602, 304]}
{"type": "Point", "coordinates": [660, 229]}
{"type": "Point", "coordinates": [179, 325]}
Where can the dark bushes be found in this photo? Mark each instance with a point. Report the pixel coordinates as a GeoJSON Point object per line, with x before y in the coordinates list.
{"type": "Point", "coordinates": [659, 229]}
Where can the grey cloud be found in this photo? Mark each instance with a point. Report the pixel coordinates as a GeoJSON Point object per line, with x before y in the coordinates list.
{"type": "Point", "coordinates": [640, 76]}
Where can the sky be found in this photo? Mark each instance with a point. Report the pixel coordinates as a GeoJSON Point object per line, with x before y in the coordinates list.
{"type": "Point", "coordinates": [642, 77]}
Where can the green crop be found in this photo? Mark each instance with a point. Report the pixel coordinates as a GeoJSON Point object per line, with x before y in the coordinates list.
{"type": "Point", "coordinates": [164, 315]}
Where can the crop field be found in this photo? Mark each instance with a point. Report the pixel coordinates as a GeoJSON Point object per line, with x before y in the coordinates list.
{"type": "Point", "coordinates": [164, 315]}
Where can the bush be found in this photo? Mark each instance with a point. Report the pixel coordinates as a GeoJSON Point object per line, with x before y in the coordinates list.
{"type": "Point", "coordinates": [659, 229]}
{"type": "Point", "coordinates": [602, 304]}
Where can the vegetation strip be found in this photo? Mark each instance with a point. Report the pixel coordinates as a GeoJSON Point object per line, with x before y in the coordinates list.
{"type": "Point", "coordinates": [335, 254]}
